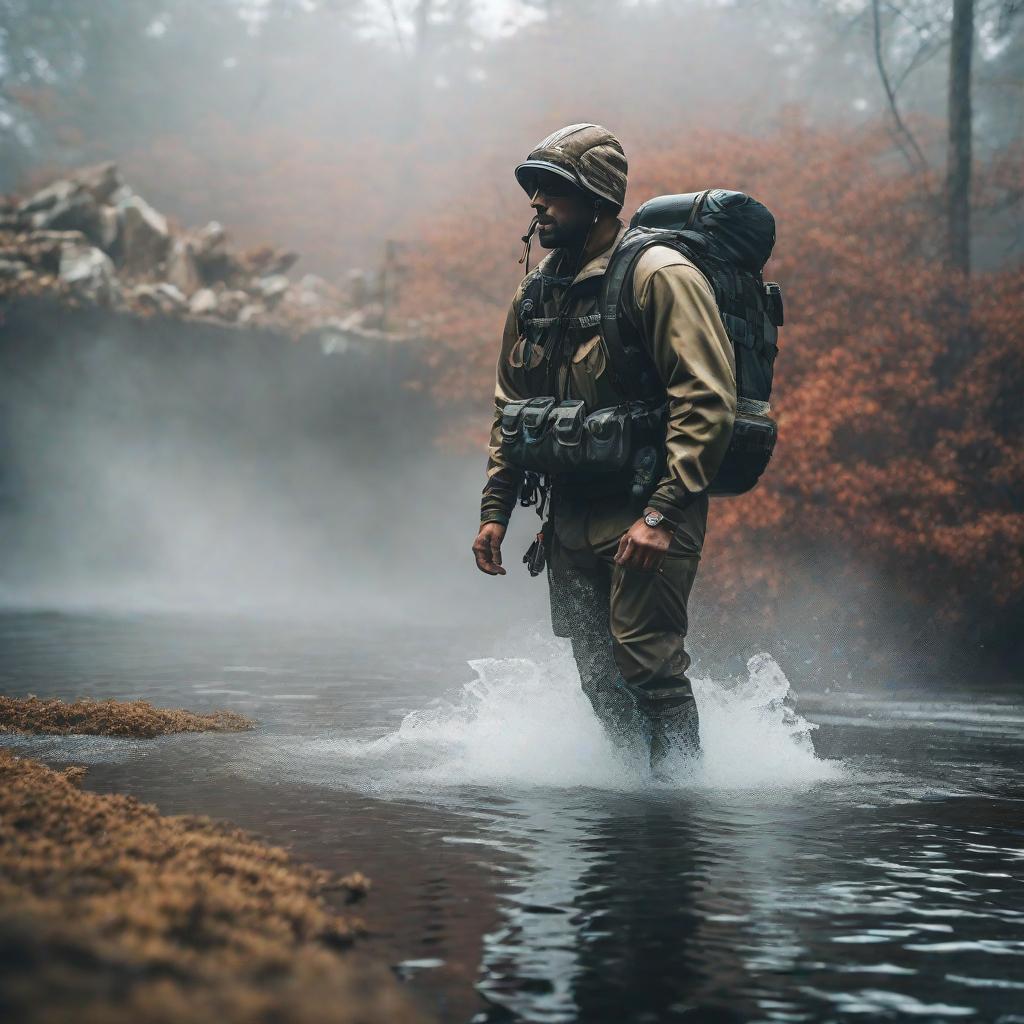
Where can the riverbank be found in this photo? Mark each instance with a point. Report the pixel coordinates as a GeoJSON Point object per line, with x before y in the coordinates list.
{"type": "Point", "coordinates": [112, 912]}
{"type": "Point", "coordinates": [137, 719]}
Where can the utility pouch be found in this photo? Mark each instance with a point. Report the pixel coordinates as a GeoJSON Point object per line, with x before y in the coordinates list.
{"type": "Point", "coordinates": [773, 301]}
{"type": "Point", "coordinates": [609, 436]}
{"type": "Point", "coordinates": [535, 420]}
{"type": "Point", "coordinates": [567, 423]}
{"type": "Point", "coordinates": [750, 449]}
{"type": "Point", "coordinates": [541, 435]}
{"type": "Point", "coordinates": [523, 426]}
{"type": "Point", "coordinates": [511, 421]}
{"type": "Point", "coordinates": [565, 445]}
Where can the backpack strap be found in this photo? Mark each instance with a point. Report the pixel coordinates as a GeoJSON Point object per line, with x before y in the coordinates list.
{"type": "Point", "coordinates": [631, 364]}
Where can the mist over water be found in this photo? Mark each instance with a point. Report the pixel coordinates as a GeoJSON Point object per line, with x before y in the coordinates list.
{"type": "Point", "coordinates": [163, 466]}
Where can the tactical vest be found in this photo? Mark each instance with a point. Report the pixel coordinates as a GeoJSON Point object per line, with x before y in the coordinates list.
{"type": "Point", "coordinates": [728, 236]}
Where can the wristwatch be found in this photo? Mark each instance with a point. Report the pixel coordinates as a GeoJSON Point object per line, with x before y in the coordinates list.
{"type": "Point", "coordinates": [653, 517]}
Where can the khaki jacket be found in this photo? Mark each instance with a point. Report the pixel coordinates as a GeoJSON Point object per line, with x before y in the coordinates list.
{"type": "Point", "coordinates": [674, 308]}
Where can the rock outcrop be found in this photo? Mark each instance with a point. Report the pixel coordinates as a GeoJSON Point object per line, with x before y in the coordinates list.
{"type": "Point", "coordinates": [89, 239]}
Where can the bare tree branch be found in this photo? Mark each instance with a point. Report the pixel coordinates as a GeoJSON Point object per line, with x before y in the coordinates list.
{"type": "Point", "coordinates": [924, 53]}
{"type": "Point", "coordinates": [920, 163]}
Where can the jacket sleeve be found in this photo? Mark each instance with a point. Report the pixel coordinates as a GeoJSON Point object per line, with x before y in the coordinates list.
{"type": "Point", "coordinates": [679, 318]}
{"type": "Point", "coordinates": [503, 480]}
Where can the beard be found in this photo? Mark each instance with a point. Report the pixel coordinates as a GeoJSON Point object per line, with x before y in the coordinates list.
{"type": "Point", "coordinates": [557, 236]}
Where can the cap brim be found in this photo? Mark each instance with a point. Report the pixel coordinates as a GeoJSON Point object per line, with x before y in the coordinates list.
{"type": "Point", "coordinates": [526, 173]}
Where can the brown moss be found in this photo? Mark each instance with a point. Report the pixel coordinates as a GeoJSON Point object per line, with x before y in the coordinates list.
{"type": "Point", "coordinates": [134, 718]}
{"type": "Point", "coordinates": [113, 913]}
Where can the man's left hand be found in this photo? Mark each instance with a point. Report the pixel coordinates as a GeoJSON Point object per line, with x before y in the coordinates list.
{"type": "Point", "coordinates": [644, 547]}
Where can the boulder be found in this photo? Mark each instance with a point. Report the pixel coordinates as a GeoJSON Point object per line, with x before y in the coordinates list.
{"type": "Point", "coordinates": [109, 231]}
{"type": "Point", "coordinates": [250, 314]}
{"type": "Point", "coordinates": [10, 268]}
{"type": "Point", "coordinates": [45, 198]}
{"type": "Point", "coordinates": [281, 263]}
{"type": "Point", "coordinates": [312, 291]}
{"type": "Point", "coordinates": [271, 288]}
{"type": "Point", "coordinates": [266, 261]}
{"type": "Point", "coordinates": [55, 238]}
{"type": "Point", "coordinates": [88, 272]}
{"type": "Point", "coordinates": [161, 298]}
{"type": "Point", "coordinates": [182, 269]}
{"type": "Point", "coordinates": [76, 212]}
{"type": "Point", "coordinates": [43, 249]}
{"type": "Point", "coordinates": [120, 196]}
{"type": "Point", "coordinates": [214, 261]}
{"type": "Point", "coordinates": [101, 181]}
{"type": "Point", "coordinates": [230, 303]}
{"type": "Point", "coordinates": [145, 236]}
{"type": "Point", "coordinates": [203, 303]}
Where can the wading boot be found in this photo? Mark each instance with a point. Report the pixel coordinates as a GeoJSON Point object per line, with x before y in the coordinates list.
{"type": "Point", "coordinates": [674, 735]}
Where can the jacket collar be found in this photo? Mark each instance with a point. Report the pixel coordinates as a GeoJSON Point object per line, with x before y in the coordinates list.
{"type": "Point", "coordinates": [595, 266]}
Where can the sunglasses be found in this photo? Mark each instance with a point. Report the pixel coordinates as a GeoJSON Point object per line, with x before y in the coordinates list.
{"type": "Point", "coordinates": [553, 187]}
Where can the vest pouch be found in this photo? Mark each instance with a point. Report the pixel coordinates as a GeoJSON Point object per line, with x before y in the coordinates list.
{"type": "Point", "coordinates": [524, 426]}
{"type": "Point", "coordinates": [749, 452]}
{"type": "Point", "coordinates": [608, 439]}
{"type": "Point", "coordinates": [565, 438]}
{"type": "Point", "coordinates": [512, 420]}
{"type": "Point", "coordinates": [535, 420]}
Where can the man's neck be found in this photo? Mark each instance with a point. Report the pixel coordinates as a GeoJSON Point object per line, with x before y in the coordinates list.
{"type": "Point", "coordinates": [601, 237]}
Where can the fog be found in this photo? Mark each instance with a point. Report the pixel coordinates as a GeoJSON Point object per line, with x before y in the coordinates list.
{"type": "Point", "coordinates": [145, 472]}
{"type": "Point", "coordinates": [176, 468]}
{"type": "Point", "coordinates": [173, 468]}
{"type": "Point", "coordinates": [332, 126]}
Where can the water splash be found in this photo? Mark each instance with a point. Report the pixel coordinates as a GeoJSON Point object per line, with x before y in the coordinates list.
{"type": "Point", "coordinates": [525, 722]}
{"type": "Point", "coordinates": [752, 734]}
{"type": "Point", "coordinates": [519, 722]}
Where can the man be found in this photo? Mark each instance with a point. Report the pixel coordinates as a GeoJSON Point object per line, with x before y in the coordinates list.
{"type": "Point", "coordinates": [619, 575]}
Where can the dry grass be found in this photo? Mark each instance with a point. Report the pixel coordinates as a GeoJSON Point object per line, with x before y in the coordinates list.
{"type": "Point", "coordinates": [113, 913]}
{"type": "Point", "coordinates": [130, 718]}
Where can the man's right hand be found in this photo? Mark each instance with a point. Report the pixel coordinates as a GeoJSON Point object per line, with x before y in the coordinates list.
{"type": "Point", "coordinates": [487, 549]}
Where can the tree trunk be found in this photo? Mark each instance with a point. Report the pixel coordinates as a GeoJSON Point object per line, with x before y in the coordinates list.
{"type": "Point", "coordinates": [958, 159]}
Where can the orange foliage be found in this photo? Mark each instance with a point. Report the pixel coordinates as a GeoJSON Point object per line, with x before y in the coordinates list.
{"type": "Point", "coordinates": [897, 386]}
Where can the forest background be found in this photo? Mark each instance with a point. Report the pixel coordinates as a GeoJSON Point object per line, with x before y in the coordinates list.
{"type": "Point", "coordinates": [891, 159]}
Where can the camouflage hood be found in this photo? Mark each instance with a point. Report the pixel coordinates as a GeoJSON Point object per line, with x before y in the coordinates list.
{"type": "Point", "coordinates": [585, 154]}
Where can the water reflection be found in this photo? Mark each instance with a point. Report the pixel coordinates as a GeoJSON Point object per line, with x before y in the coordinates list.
{"type": "Point", "coordinates": [652, 908]}
{"type": "Point", "coordinates": [630, 910]}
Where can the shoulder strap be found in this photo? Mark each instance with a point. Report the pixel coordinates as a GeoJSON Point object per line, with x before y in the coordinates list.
{"type": "Point", "coordinates": [631, 363]}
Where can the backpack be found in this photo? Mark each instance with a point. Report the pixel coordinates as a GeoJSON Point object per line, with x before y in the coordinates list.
{"type": "Point", "coordinates": [728, 236]}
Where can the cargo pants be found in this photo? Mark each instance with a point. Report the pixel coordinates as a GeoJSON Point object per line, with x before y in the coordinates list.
{"type": "Point", "coordinates": [627, 627]}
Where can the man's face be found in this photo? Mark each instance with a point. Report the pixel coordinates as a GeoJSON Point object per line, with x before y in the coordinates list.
{"type": "Point", "coordinates": [564, 212]}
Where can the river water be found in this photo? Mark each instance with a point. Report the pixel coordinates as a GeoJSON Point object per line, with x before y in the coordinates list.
{"type": "Point", "coordinates": [840, 855]}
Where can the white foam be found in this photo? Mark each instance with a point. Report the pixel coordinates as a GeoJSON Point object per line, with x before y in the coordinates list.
{"type": "Point", "coordinates": [751, 733]}
{"type": "Point", "coordinates": [525, 722]}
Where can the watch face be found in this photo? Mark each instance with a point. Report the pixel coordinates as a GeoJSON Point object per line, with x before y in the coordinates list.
{"type": "Point", "coordinates": [653, 518]}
